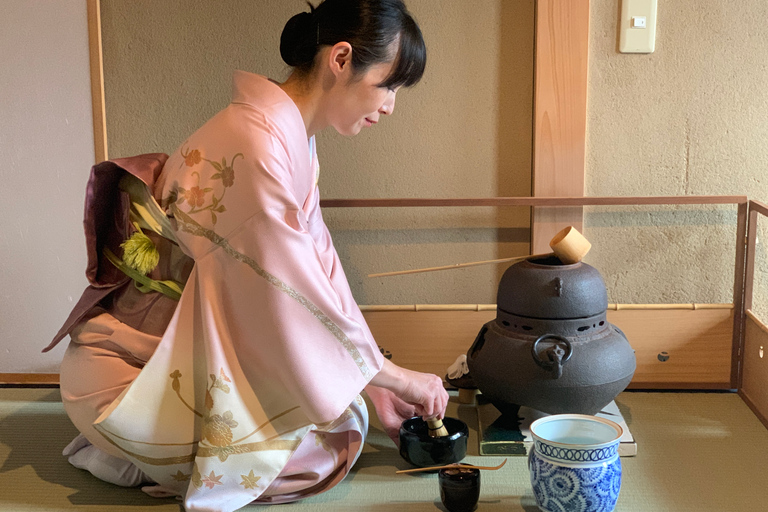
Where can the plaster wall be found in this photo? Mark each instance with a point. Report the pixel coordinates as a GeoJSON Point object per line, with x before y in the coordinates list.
{"type": "Point", "coordinates": [464, 131]}
{"type": "Point", "coordinates": [687, 119]}
{"type": "Point", "coordinates": [46, 150]}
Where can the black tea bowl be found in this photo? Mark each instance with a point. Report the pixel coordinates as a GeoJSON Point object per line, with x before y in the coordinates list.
{"type": "Point", "coordinates": [419, 449]}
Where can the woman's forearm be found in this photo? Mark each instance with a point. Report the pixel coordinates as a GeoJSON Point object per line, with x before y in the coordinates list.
{"type": "Point", "coordinates": [390, 377]}
{"type": "Point", "coordinates": [423, 390]}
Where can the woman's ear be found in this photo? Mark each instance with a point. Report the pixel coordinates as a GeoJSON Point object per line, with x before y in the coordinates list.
{"type": "Point", "coordinates": [340, 58]}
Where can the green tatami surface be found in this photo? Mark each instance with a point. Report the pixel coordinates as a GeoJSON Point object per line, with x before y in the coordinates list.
{"type": "Point", "coordinates": [697, 452]}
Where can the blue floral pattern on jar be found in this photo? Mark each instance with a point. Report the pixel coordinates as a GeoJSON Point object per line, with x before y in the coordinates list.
{"type": "Point", "coordinates": [591, 487]}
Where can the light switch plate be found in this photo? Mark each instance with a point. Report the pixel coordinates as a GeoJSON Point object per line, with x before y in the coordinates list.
{"type": "Point", "coordinates": [637, 39]}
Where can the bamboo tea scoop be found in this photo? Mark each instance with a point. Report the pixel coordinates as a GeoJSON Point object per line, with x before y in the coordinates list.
{"type": "Point", "coordinates": [467, 466]}
{"type": "Point", "coordinates": [436, 428]}
{"type": "Point", "coordinates": [568, 245]}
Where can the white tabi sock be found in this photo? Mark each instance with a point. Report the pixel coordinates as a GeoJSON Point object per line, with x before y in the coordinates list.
{"type": "Point", "coordinates": [83, 455]}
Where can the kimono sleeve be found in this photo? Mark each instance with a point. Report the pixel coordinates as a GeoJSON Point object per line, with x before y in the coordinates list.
{"type": "Point", "coordinates": [331, 262]}
{"type": "Point", "coordinates": [268, 290]}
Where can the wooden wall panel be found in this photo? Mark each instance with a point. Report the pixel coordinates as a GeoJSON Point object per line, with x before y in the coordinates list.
{"type": "Point", "coordinates": [560, 114]}
{"type": "Point", "coordinates": [698, 342]}
{"type": "Point", "coordinates": [426, 341]}
{"type": "Point", "coordinates": [754, 389]}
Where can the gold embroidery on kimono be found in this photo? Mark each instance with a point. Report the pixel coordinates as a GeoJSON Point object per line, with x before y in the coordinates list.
{"type": "Point", "coordinates": [187, 224]}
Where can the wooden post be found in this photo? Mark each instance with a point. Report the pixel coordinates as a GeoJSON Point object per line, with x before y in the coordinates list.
{"type": "Point", "coordinates": [97, 81]}
{"type": "Point", "coordinates": [738, 296]}
{"type": "Point", "coordinates": [754, 209]}
{"type": "Point", "coordinates": [560, 114]}
{"type": "Point", "coordinates": [749, 271]}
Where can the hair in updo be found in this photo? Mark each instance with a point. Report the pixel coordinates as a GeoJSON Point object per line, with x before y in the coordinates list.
{"type": "Point", "coordinates": [369, 26]}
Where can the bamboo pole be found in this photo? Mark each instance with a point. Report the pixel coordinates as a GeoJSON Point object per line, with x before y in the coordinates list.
{"type": "Point", "coordinates": [492, 307]}
{"type": "Point", "coordinates": [713, 306]}
{"type": "Point", "coordinates": [457, 265]}
{"type": "Point", "coordinates": [430, 307]}
{"type": "Point", "coordinates": [452, 307]}
{"type": "Point", "coordinates": [624, 307]}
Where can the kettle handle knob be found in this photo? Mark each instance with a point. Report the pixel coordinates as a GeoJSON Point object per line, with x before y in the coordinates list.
{"type": "Point", "coordinates": [557, 356]}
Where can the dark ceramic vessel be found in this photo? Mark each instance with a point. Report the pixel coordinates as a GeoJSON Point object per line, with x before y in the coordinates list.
{"type": "Point", "coordinates": [550, 347]}
{"type": "Point", "coordinates": [459, 488]}
{"type": "Point", "coordinates": [419, 449]}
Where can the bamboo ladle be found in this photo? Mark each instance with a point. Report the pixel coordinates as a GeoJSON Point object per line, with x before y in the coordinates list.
{"type": "Point", "coordinates": [568, 245]}
{"type": "Point", "coordinates": [455, 465]}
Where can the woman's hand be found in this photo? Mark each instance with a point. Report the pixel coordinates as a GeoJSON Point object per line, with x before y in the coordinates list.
{"type": "Point", "coordinates": [392, 411]}
{"type": "Point", "coordinates": [410, 394]}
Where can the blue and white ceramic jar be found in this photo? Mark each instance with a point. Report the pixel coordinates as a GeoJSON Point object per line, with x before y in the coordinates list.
{"type": "Point", "coordinates": [574, 463]}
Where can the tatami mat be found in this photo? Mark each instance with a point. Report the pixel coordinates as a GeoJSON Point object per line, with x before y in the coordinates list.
{"type": "Point", "coordinates": [697, 452]}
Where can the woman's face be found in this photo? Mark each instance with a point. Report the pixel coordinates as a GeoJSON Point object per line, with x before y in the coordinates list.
{"type": "Point", "coordinates": [359, 102]}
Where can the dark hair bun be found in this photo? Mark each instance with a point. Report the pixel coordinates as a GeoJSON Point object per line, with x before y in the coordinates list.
{"type": "Point", "coordinates": [298, 43]}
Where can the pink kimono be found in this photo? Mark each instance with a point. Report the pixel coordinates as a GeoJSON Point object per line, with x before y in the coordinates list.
{"type": "Point", "coordinates": [253, 390]}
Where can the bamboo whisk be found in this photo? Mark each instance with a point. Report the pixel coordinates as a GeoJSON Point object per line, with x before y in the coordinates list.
{"type": "Point", "coordinates": [436, 428]}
